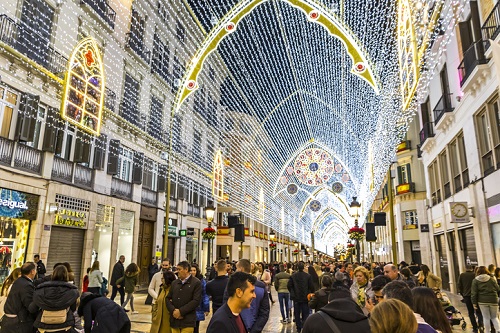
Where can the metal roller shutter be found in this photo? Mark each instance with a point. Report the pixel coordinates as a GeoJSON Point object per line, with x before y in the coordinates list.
{"type": "Point", "coordinates": [66, 245]}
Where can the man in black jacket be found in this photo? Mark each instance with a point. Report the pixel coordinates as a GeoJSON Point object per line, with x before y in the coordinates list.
{"type": "Point", "coordinates": [40, 267]}
{"type": "Point", "coordinates": [118, 272]}
{"type": "Point", "coordinates": [300, 285]}
{"type": "Point", "coordinates": [216, 287]}
{"type": "Point", "coordinates": [18, 318]}
{"type": "Point", "coordinates": [241, 291]}
{"type": "Point", "coordinates": [464, 288]}
{"type": "Point", "coordinates": [101, 315]}
{"type": "Point", "coordinates": [183, 299]}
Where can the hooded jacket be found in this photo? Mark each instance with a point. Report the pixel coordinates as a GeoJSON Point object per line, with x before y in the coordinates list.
{"type": "Point", "coordinates": [346, 314]}
{"type": "Point", "coordinates": [484, 290]}
{"type": "Point", "coordinates": [53, 296]}
{"type": "Point", "coordinates": [102, 315]}
{"type": "Point", "coordinates": [129, 280]}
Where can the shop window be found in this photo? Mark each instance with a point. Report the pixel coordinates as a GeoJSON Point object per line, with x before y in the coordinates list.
{"type": "Point", "coordinates": [125, 234]}
{"type": "Point", "coordinates": [8, 102]}
{"type": "Point", "coordinates": [103, 235]}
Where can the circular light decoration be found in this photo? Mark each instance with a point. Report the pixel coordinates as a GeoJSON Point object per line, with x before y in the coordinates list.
{"type": "Point", "coordinates": [359, 67]}
{"type": "Point", "coordinates": [315, 205]}
{"type": "Point", "coordinates": [314, 15]}
{"type": "Point", "coordinates": [313, 166]}
{"type": "Point", "coordinates": [289, 170]}
{"type": "Point", "coordinates": [230, 27]}
{"type": "Point", "coordinates": [283, 180]}
{"type": "Point", "coordinates": [292, 189]}
{"type": "Point", "coordinates": [337, 187]}
{"type": "Point", "coordinates": [191, 85]}
{"type": "Point", "coordinates": [345, 177]}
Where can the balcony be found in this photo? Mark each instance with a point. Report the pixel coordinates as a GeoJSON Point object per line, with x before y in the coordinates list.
{"type": "Point", "coordinates": [121, 188]}
{"type": "Point", "coordinates": [196, 211]}
{"type": "Point", "coordinates": [84, 177]}
{"type": "Point", "coordinates": [102, 8]}
{"type": "Point", "coordinates": [190, 209]}
{"type": "Point", "coordinates": [25, 40]}
{"type": "Point", "coordinates": [149, 197]}
{"type": "Point", "coordinates": [426, 132]}
{"type": "Point", "coordinates": [62, 170]}
{"type": "Point", "coordinates": [133, 42]}
{"type": "Point", "coordinates": [491, 26]}
{"type": "Point", "coordinates": [28, 159]}
{"type": "Point", "coordinates": [473, 57]}
{"type": "Point", "coordinates": [173, 205]}
{"type": "Point", "coordinates": [405, 188]}
{"type": "Point", "coordinates": [110, 99]}
{"type": "Point", "coordinates": [403, 146]}
{"type": "Point", "coordinates": [442, 107]}
{"type": "Point", "coordinates": [6, 151]}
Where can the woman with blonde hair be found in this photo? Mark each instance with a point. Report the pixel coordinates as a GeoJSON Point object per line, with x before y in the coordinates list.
{"type": "Point", "coordinates": [361, 288]}
{"type": "Point", "coordinates": [393, 316]}
{"type": "Point", "coordinates": [427, 279]}
{"type": "Point", "coordinates": [7, 284]}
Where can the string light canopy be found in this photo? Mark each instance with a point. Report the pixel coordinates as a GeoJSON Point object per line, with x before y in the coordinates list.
{"type": "Point", "coordinates": [279, 89]}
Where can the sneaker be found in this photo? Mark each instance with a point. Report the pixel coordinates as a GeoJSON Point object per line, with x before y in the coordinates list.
{"type": "Point", "coordinates": [135, 312]}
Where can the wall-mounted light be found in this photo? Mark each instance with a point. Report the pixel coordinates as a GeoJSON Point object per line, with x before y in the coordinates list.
{"type": "Point", "coordinates": [53, 208]}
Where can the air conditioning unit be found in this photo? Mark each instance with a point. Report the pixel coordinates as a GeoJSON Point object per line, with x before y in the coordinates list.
{"type": "Point", "coordinates": [177, 82]}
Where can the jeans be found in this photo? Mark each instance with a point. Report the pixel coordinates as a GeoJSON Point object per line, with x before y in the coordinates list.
{"type": "Point", "coordinates": [122, 294]}
{"type": "Point", "coordinates": [298, 309]}
{"type": "Point", "coordinates": [284, 300]}
{"type": "Point", "coordinates": [490, 312]}
{"type": "Point", "coordinates": [470, 309]}
{"type": "Point", "coordinates": [130, 297]}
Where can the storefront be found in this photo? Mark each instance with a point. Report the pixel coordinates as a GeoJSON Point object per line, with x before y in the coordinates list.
{"type": "Point", "coordinates": [442, 261]}
{"type": "Point", "coordinates": [17, 210]}
{"type": "Point", "coordinates": [103, 235]}
{"type": "Point", "coordinates": [67, 234]}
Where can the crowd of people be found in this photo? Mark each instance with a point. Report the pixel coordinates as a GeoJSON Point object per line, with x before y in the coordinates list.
{"type": "Point", "coordinates": [316, 297]}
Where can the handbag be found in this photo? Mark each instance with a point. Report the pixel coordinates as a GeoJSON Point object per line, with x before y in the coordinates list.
{"type": "Point", "coordinates": [54, 317]}
{"type": "Point", "coordinates": [330, 322]}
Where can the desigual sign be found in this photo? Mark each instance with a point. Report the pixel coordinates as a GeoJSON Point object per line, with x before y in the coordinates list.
{"type": "Point", "coordinates": [15, 204]}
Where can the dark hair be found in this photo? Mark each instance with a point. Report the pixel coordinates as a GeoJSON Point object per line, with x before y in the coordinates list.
{"type": "Point", "coordinates": [27, 267]}
{"type": "Point", "coordinates": [56, 264]}
{"type": "Point", "coordinates": [36, 256]}
{"type": "Point", "coordinates": [185, 265]}
{"type": "Point", "coordinates": [398, 290]}
{"type": "Point", "coordinates": [60, 273]}
{"type": "Point", "coordinates": [497, 272]}
{"type": "Point", "coordinates": [132, 268]}
{"type": "Point", "coordinates": [221, 265]}
{"type": "Point", "coordinates": [239, 280]}
{"type": "Point", "coordinates": [379, 282]}
{"type": "Point", "coordinates": [245, 265]}
{"type": "Point", "coordinates": [406, 273]}
{"type": "Point", "coordinates": [425, 270]}
{"type": "Point", "coordinates": [165, 259]}
{"type": "Point", "coordinates": [198, 273]}
{"type": "Point", "coordinates": [326, 281]}
{"type": "Point", "coordinates": [300, 266]}
{"type": "Point", "coordinates": [312, 273]}
{"type": "Point", "coordinates": [339, 292]}
{"type": "Point", "coordinates": [168, 278]}
{"type": "Point", "coordinates": [428, 306]}
{"type": "Point", "coordinates": [281, 267]}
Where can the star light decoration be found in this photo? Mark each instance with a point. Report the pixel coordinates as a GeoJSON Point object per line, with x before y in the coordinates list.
{"type": "Point", "coordinates": [278, 80]}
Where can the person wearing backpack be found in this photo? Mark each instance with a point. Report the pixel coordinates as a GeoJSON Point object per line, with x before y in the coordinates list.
{"type": "Point", "coordinates": [57, 301]}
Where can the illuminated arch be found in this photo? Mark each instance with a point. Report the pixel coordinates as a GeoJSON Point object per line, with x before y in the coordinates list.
{"type": "Point", "coordinates": [218, 176]}
{"type": "Point", "coordinates": [315, 13]}
{"type": "Point", "coordinates": [83, 97]}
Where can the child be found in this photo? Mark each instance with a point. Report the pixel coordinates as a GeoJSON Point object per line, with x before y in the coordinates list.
{"type": "Point", "coordinates": [129, 280]}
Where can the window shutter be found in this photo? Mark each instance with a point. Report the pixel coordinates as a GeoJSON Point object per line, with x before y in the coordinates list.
{"type": "Point", "coordinates": [137, 168]}
{"type": "Point", "coordinates": [400, 176]}
{"type": "Point", "coordinates": [82, 149]}
{"type": "Point", "coordinates": [51, 128]}
{"type": "Point", "coordinates": [408, 172]}
{"type": "Point", "coordinates": [114, 151]}
{"type": "Point", "coordinates": [26, 122]}
{"type": "Point", "coordinates": [100, 152]}
{"type": "Point", "coordinates": [162, 178]}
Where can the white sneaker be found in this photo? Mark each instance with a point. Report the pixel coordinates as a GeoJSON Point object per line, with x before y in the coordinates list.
{"type": "Point", "coordinates": [135, 312]}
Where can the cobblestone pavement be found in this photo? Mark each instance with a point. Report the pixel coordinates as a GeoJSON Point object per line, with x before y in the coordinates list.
{"type": "Point", "coordinates": [141, 322]}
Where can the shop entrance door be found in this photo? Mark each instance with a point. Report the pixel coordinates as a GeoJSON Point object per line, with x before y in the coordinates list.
{"type": "Point", "coordinates": [443, 261]}
{"type": "Point", "coordinates": [66, 245]}
{"type": "Point", "coordinates": [145, 253]}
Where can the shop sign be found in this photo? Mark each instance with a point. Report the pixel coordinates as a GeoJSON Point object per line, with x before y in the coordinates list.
{"type": "Point", "coordinates": [424, 228]}
{"type": "Point", "coordinates": [172, 231]}
{"type": "Point", "coordinates": [71, 218]}
{"type": "Point", "coordinates": [16, 204]}
{"type": "Point", "coordinates": [182, 233]}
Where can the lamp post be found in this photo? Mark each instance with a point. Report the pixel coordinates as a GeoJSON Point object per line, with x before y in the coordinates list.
{"type": "Point", "coordinates": [210, 213]}
{"type": "Point", "coordinates": [354, 211]}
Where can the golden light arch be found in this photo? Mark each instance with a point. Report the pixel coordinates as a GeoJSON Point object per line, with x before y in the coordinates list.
{"type": "Point", "coordinates": [314, 11]}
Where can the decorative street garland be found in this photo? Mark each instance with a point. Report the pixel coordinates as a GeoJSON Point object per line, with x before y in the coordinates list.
{"type": "Point", "coordinates": [295, 252]}
{"type": "Point", "coordinates": [356, 233]}
{"type": "Point", "coordinates": [208, 233]}
{"type": "Point", "coordinates": [272, 246]}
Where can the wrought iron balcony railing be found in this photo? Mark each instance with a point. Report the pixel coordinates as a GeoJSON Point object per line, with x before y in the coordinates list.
{"type": "Point", "coordinates": [103, 9]}
{"type": "Point", "coordinates": [426, 132]}
{"type": "Point", "coordinates": [473, 57]}
{"type": "Point", "coordinates": [137, 45]}
{"type": "Point", "coordinates": [442, 106]}
{"type": "Point", "coordinates": [491, 26]}
{"type": "Point", "coordinates": [29, 42]}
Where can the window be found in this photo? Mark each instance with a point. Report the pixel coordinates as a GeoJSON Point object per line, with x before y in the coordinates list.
{"type": "Point", "coordinates": [64, 141]}
{"type": "Point", "coordinates": [445, 175]}
{"type": "Point", "coordinates": [125, 164]}
{"type": "Point", "coordinates": [161, 59]}
{"type": "Point", "coordinates": [411, 219]}
{"type": "Point", "coordinates": [404, 174]}
{"type": "Point", "coordinates": [163, 10]}
{"type": "Point", "coordinates": [496, 131]}
{"type": "Point", "coordinates": [135, 38]}
{"type": "Point", "coordinates": [155, 124]}
{"type": "Point", "coordinates": [463, 160]}
{"type": "Point", "coordinates": [150, 175]}
{"type": "Point", "coordinates": [434, 182]}
{"type": "Point", "coordinates": [180, 31]}
{"type": "Point", "coordinates": [8, 102]}
{"type": "Point", "coordinates": [130, 103]}
{"type": "Point", "coordinates": [196, 149]}
{"type": "Point", "coordinates": [40, 119]}
{"type": "Point", "coordinates": [485, 149]}
{"type": "Point", "coordinates": [454, 166]}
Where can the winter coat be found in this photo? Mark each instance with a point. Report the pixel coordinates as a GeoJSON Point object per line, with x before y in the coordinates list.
{"type": "Point", "coordinates": [465, 283]}
{"type": "Point", "coordinates": [346, 315]}
{"type": "Point", "coordinates": [484, 290]}
{"type": "Point", "coordinates": [300, 285]}
{"type": "Point", "coordinates": [431, 281]}
{"type": "Point", "coordinates": [281, 282]}
{"type": "Point", "coordinates": [204, 303]}
{"type": "Point", "coordinates": [17, 303]}
{"type": "Point", "coordinates": [155, 285]}
{"type": "Point", "coordinates": [215, 289]}
{"type": "Point", "coordinates": [106, 315]}
{"type": "Point", "coordinates": [95, 279]}
{"type": "Point", "coordinates": [53, 296]}
{"type": "Point", "coordinates": [160, 322]}
{"type": "Point", "coordinates": [40, 269]}
{"type": "Point", "coordinates": [129, 281]}
{"type": "Point", "coordinates": [118, 272]}
{"type": "Point", "coordinates": [320, 299]}
{"type": "Point", "coordinates": [423, 327]}
{"type": "Point", "coordinates": [359, 295]}
{"type": "Point", "coordinates": [185, 297]}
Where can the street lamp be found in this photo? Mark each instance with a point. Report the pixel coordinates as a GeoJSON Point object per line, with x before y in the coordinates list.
{"type": "Point", "coordinates": [272, 237]}
{"type": "Point", "coordinates": [210, 213]}
{"type": "Point", "coordinates": [354, 211]}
